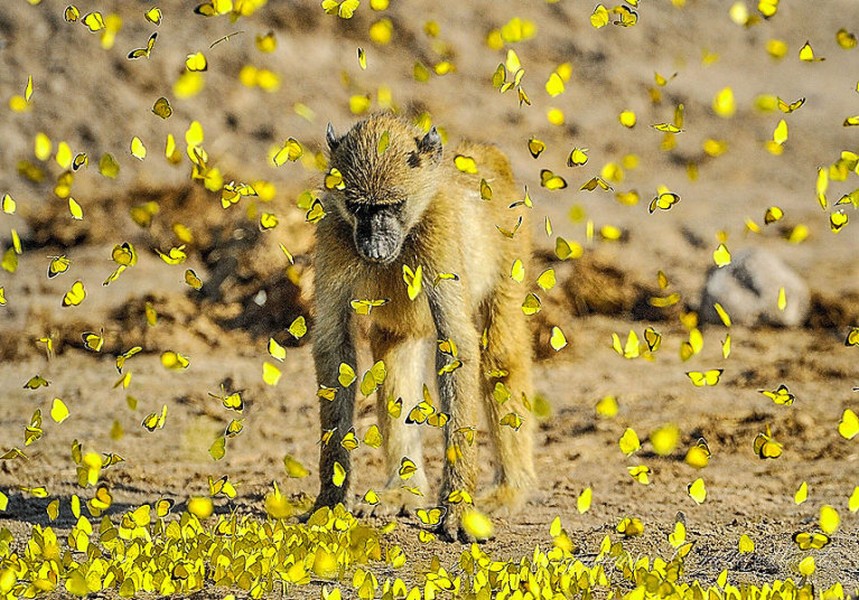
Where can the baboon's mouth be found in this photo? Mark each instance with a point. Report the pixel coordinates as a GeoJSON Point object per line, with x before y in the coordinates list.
{"type": "Point", "coordinates": [381, 252]}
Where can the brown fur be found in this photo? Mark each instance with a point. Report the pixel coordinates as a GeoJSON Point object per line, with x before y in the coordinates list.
{"type": "Point", "coordinates": [451, 230]}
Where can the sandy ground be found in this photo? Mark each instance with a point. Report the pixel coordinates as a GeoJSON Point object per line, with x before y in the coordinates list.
{"type": "Point", "coordinates": [97, 100]}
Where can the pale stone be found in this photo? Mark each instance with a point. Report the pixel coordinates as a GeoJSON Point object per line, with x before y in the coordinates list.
{"type": "Point", "coordinates": [748, 289]}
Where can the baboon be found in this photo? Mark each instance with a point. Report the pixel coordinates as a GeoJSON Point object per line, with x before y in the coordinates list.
{"type": "Point", "coordinates": [396, 203]}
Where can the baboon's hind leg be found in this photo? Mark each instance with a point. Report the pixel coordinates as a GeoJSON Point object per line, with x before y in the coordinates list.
{"type": "Point", "coordinates": [508, 350]}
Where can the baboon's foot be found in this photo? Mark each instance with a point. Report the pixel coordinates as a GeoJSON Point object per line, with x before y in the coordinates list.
{"type": "Point", "coordinates": [502, 500]}
{"type": "Point", "coordinates": [451, 529]}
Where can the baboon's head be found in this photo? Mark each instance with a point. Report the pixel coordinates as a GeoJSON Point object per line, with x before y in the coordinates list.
{"type": "Point", "coordinates": [389, 171]}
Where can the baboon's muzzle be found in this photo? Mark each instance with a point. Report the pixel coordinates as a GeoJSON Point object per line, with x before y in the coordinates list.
{"type": "Point", "coordinates": [379, 237]}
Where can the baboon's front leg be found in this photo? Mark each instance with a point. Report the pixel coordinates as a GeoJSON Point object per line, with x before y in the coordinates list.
{"type": "Point", "coordinates": [334, 344]}
{"type": "Point", "coordinates": [405, 362]}
{"type": "Point", "coordinates": [458, 391]}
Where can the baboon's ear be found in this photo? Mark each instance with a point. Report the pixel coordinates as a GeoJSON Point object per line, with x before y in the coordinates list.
{"type": "Point", "coordinates": [331, 138]}
{"type": "Point", "coordinates": [430, 143]}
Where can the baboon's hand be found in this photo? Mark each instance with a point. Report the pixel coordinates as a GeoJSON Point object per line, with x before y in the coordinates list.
{"type": "Point", "coordinates": [393, 502]}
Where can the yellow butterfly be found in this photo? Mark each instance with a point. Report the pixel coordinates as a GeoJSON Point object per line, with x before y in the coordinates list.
{"type": "Point", "coordinates": [346, 375]}
{"type": "Point", "coordinates": [663, 201]}
{"type": "Point", "coordinates": [766, 446]}
{"type": "Point", "coordinates": [460, 497]}
{"type": "Point", "coordinates": [837, 220]}
{"type": "Point", "coordinates": [699, 455]}
{"type": "Point", "coordinates": [652, 338]}
{"type": "Point", "coordinates": [192, 279]}
{"type": "Point", "coordinates": [290, 151]}
{"type": "Point", "coordinates": [93, 341]}
{"type": "Point", "coordinates": [641, 473]}
{"type": "Point", "coordinates": [485, 190]}
{"type": "Point", "coordinates": [535, 147]}
{"type": "Point", "coordinates": [678, 537]}
{"type": "Point", "coordinates": [531, 305]}
{"type": "Point", "coordinates": [509, 233]}
{"type": "Point", "coordinates": [141, 52]}
{"type": "Point", "coordinates": [807, 54]}
{"type": "Point", "coordinates": [595, 182]}
{"type": "Point", "coordinates": [781, 395]}
{"type": "Point", "coordinates": [124, 254]}
{"type": "Point", "coordinates": [326, 393]}
{"type": "Point", "coordinates": [334, 180]}
{"type": "Point", "coordinates": [373, 437]}
{"type": "Point", "coordinates": [155, 420]}
{"type": "Point", "coordinates": [75, 295]}
{"type": "Point", "coordinates": [196, 62]}
{"type": "Point", "coordinates": [294, 468]}
{"type": "Point", "coordinates": [344, 9]}
{"type": "Point", "coordinates": [431, 516]}
{"type": "Point", "coordinates": [425, 536]}
{"type": "Point", "coordinates": [722, 256]}
{"type": "Point", "coordinates": [630, 526]}
{"type": "Point", "coordinates": [848, 427]}
{"type": "Point", "coordinates": [631, 349]}
{"type": "Point", "coordinates": [316, 212]}
{"type": "Point", "coordinates": [810, 541]}
{"type": "Point", "coordinates": [234, 428]}
{"type": "Point", "coordinates": [58, 265]}
{"type": "Point", "coordinates": [578, 157]}
{"type": "Point", "coordinates": [395, 407]}
{"type": "Point", "coordinates": [413, 280]}
{"type": "Point", "coordinates": [221, 486]}
{"type": "Point", "coordinates": [214, 7]}
{"type": "Point", "coordinates": [350, 440]}
{"type": "Point", "coordinates": [466, 164]}
{"type": "Point", "coordinates": [232, 401]}
{"type": "Point", "coordinates": [33, 431]}
{"type": "Point", "coordinates": [550, 181]}
{"type": "Point", "coordinates": [174, 361]}
{"type": "Point", "coordinates": [438, 419]}
{"type": "Point", "coordinates": [71, 14]}
{"type": "Point", "coordinates": [103, 498]}
{"type": "Point", "coordinates": [629, 442]}
{"type": "Point", "coordinates": [420, 413]}
{"type": "Point", "coordinates": [174, 256]}
{"type": "Point", "coordinates": [94, 21]}
{"type": "Point", "coordinates": [512, 420]}
{"type": "Point", "coordinates": [162, 108]}
{"type": "Point", "coordinates": [557, 339]}
{"type": "Point", "coordinates": [80, 160]}
{"type": "Point", "coordinates": [373, 378]}
{"type": "Point", "coordinates": [153, 15]}
{"type": "Point", "coordinates": [407, 468]}
{"type": "Point", "coordinates": [371, 498]}
{"type": "Point", "coordinates": [298, 327]}
{"type": "Point", "coordinates": [8, 204]}
{"type": "Point", "coordinates": [697, 491]}
{"type": "Point", "coordinates": [846, 39]}
{"type": "Point", "coordinates": [59, 410]}
{"type": "Point", "coordinates": [120, 360]}
{"type": "Point", "coordinates": [705, 378]}
{"type": "Point", "coordinates": [364, 307]}
{"type": "Point", "coordinates": [852, 338]}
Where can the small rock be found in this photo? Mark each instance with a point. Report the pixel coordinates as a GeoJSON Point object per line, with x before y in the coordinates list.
{"type": "Point", "coordinates": [748, 289]}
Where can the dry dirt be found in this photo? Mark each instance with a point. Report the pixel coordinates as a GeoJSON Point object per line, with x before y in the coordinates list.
{"type": "Point", "coordinates": [97, 99]}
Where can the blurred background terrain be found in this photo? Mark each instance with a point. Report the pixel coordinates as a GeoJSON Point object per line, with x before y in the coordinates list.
{"type": "Point", "coordinates": [285, 71]}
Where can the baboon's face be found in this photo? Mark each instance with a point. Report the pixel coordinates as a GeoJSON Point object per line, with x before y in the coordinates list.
{"type": "Point", "coordinates": [385, 192]}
